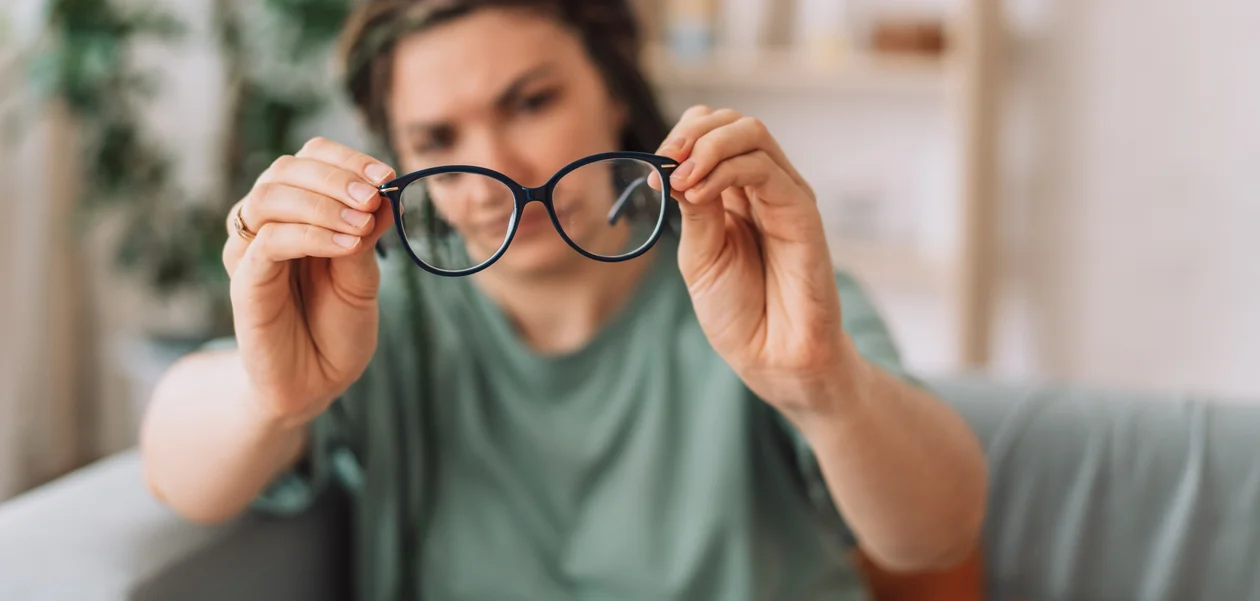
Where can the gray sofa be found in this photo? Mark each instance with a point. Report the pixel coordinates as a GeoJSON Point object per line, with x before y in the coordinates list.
{"type": "Point", "coordinates": [1096, 495]}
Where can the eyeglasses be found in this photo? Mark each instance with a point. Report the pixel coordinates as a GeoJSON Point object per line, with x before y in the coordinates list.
{"type": "Point", "coordinates": [458, 220]}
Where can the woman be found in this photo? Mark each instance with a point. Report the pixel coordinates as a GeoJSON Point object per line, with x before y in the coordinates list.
{"type": "Point", "coordinates": [691, 423]}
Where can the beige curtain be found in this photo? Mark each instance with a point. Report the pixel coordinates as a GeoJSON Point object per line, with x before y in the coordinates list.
{"type": "Point", "coordinates": [8, 296]}
{"type": "Point", "coordinates": [47, 407]}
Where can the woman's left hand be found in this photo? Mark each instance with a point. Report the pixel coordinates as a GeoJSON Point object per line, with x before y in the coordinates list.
{"type": "Point", "coordinates": [755, 259]}
{"type": "Point", "coordinates": [754, 256]}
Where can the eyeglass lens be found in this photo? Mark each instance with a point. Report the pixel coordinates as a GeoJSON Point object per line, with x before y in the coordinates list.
{"type": "Point", "coordinates": [458, 221]}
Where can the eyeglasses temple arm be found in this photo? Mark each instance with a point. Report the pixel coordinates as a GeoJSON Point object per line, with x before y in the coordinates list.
{"type": "Point", "coordinates": [380, 248]}
{"type": "Point", "coordinates": [615, 213]}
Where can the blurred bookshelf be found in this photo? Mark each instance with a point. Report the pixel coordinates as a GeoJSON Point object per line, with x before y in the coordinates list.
{"type": "Point", "coordinates": [789, 70]}
{"type": "Point", "coordinates": [864, 74]}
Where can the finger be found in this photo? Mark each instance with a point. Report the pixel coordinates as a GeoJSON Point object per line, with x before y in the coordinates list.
{"type": "Point", "coordinates": [703, 234]}
{"type": "Point", "coordinates": [280, 242]}
{"type": "Point", "coordinates": [287, 241]}
{"type": "Point", "coordinates": [654, 181]}
{"type": "Point", "coordinates": [784, 218]}
{"type": "Point", "coordinates": [384, 222]}
{"type": "Point", "coordinates": [675, 143]}
{"type": "Point", "coordinates": [693, 112]}
{"type": "Point", "coordinates": [282, 203]}
{"type": "Point", "coordinates": [340, 155]}
{"type": "Point", "coordinates": [695, 123]}
{"type": "Point", "coordinates": [736, 203]}
{"type": "Point", "coordinates": [738, 138]}
{"type": "Point", "coordinates": [754, 170]}
{"type": "Point", "coordinates": [680, 139]}
{"type": "Point", "coordinates": [233, 250]}
{"type": "Point", "coordinates": [772, 148]}
{"type": "Point", "coordinates": [235, 245]}
{"type": "Point", "coordinates": [357, 274]}
{"type": "Point", "coordinates": [348, 187]}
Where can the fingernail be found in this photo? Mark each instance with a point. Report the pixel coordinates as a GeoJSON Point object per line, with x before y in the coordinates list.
{"type": "Point", "coordinates": [377, 172]}
{"type": "Point", "coordinates": [673, 144]}
{"type": "Point", "coordinates": [679, 178]}
{"type": "Point", "coordinates": [361, 192]}
{"type": "Point", "coordinates": [355, 218]}
{"type": "Point", "coordinates": [346, 240]}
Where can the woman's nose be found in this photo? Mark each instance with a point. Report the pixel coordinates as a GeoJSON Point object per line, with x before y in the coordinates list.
{"type": "Point", "coordinates": [499, 152]}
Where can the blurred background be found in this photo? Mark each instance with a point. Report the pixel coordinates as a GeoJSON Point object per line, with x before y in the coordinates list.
{"type": "Point", "coordinates": [1030, 189]}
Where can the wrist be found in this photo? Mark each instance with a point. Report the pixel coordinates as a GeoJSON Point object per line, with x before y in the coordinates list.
{"type": "Point", "coordinates": [269, 414]}
{"type": "Point", "coordinates": [834, 398]}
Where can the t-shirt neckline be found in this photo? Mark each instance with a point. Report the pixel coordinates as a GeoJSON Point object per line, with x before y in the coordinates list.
{"type": "Point", "coordinates": [663, 257]}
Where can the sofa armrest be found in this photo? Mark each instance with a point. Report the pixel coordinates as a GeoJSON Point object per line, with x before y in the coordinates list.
{"type": "Point", "coordinates": [1109, 494]}
{"type": "Point", "coordinates": [97, 534]}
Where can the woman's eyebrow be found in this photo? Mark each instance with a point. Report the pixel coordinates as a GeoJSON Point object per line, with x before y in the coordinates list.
{"type": "Point", "coordinates": [513, 90]}
{"type": "Point", "coordinates": [510, 93]}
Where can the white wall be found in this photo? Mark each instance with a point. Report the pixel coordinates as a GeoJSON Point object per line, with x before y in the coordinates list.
{"type": "Point", "coordinates": [1134, 195]}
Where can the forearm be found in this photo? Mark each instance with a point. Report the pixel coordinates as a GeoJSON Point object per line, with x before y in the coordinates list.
{"type": "Point", "coordinates": [207, 451]}
{"type": "Point", "coordinates": [903, 467]}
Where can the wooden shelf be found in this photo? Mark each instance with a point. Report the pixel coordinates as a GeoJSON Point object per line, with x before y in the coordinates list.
{"type": "Point", "coordinates": [788, 70]}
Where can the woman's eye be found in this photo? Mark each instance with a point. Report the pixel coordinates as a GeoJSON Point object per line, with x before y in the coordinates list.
{"type": "Point", "coordinates": [430, 146]}
{"type": "Point", "coordinates": [535, 102]}
{"type": "Point", "coordinates": [436, 140]}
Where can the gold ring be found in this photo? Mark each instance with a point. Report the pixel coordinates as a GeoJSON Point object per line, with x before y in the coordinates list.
{"type": "Point", "coordinates": [238, 223]}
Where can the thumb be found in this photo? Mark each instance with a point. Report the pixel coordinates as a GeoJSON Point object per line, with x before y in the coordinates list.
{"type": "Point", "coordinates": [358, 274]}
{"type": "Point", "coordinates": [703, 235]}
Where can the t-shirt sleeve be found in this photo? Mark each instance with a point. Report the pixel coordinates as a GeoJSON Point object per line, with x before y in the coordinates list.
{"type": "Point", "coordinates": [327, 461]}
{"type": "Point", "coordinates": [324, 461]}
{"type": "Point", "coordinates": [868, 330]}
{"type": "Point", "coordinates": [870, 334]}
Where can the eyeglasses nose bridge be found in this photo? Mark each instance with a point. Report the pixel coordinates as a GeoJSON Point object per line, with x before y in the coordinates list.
{"type": "Point", "coordinates": [539, 194]}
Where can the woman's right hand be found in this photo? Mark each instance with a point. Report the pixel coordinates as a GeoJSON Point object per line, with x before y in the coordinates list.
{"type": "Point", "coordinates": [304, 289]}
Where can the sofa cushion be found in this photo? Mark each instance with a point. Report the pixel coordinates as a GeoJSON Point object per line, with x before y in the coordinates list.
{"type": "Point", "coordinates": [1112, 495]}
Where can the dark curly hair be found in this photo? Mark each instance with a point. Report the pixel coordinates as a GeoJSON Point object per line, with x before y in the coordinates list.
{"type": "Point", "coordinates": [609, 31]}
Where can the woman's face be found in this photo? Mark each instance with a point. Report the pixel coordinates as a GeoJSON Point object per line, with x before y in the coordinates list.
{"type": "Point", "coordinates": [515, 92]}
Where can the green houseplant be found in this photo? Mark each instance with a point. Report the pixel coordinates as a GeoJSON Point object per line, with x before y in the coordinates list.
{"type": "Point", "coordinates": [273, 53]}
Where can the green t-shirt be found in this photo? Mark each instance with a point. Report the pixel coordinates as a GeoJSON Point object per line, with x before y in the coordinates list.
{"type": "Point", "coordinates": [636, 468]}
